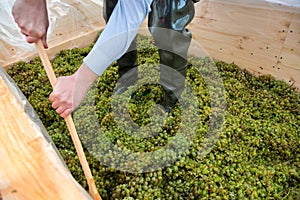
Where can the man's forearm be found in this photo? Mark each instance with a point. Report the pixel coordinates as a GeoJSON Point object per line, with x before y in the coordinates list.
{"type": "Point", "coordinates": [118, 34]}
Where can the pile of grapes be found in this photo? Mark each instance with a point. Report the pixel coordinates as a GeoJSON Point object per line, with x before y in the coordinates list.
{"type": "Point", "coordinates": [253, 152]}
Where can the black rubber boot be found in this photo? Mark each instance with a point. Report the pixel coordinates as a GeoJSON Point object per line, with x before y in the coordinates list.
{"type": "Point", "coordinates": [173, 69]}
{"type": "Point", "coordinates": [167, 22]}
{"type": "Point", "coordinates": [128, 63]}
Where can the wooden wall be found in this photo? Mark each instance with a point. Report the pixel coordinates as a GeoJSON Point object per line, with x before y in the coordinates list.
{"type": "Point", "coordinates": [31, 167]}
{"type": "Point", "coordinates": [259, 36]}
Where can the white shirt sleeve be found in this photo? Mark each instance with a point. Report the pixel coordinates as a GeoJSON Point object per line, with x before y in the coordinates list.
{"type": "Point", "coordinates": [118, 34]}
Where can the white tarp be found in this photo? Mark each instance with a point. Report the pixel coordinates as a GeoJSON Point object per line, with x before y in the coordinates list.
{"type": "Point", "coordinates": [294, 3]}
{"type": "Point", "coordinates": [67, 18]}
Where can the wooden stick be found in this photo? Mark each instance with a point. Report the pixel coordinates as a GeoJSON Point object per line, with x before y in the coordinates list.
{"type": "Point", "coordinates": [70, 124]}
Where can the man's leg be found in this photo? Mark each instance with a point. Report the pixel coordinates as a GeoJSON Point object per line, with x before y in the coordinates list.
{"type": "Point", "coordinates": [128, 62]}
{"type": "Point", "coordinates": [167, 22]}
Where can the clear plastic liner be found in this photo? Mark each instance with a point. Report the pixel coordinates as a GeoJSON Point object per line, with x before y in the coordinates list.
{"type": "Point", "coordinates": [293, 3]}
{"type": "Point", "coordinates": [67, 18]}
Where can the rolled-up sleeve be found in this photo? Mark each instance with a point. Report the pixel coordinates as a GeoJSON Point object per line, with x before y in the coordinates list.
{"type": "Point", "coordinates": [118, 34]}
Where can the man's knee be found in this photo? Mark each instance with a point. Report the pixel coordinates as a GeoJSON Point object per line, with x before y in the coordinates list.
{"type": "Point", "coordinates": [171, 14]}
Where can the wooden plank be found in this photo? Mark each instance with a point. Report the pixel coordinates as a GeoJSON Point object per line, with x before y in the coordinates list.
{"type": "Point", "coordinates": [82, 40]}
{"type": "Point", "coordinates": [288, 63]}
{"type": "Point", "coordinates": [31, 167]}
{"type": "Point", "coordinates": [252, 35]}
{"type": "Point", "coordinates": [240, 34]}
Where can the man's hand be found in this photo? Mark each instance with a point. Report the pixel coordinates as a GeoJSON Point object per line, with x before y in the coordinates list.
{"type": "Point", "coordinates": [32, 18]}
{"type": "Point", "coordinates": [62, 95]}
{"type": "Point", "coordinates": [69, 91]}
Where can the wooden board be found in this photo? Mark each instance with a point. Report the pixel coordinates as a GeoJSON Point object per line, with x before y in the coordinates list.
{"type": "Point", "coordinates": [82, 40]}
{"type": "Point", "coordinates": [31, 167]}
{"type": "Point", "coordinates": [258, 36]}
{"type": "Point", "coordinates": [288, 63]}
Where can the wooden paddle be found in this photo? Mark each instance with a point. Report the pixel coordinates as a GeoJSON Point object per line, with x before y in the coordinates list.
{"type": "Point", "coordinates": [70, 124]}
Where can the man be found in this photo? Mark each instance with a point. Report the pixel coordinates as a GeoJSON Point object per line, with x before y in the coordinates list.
{"type": "Point", "coordinates": [116, 42]}
{"type": "Point", "coordinates": [167, 22]}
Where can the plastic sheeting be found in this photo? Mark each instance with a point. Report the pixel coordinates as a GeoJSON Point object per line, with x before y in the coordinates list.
{"type": "Point", "coordinates": [67, 18]}
{"type": "Point", "coordinates": [294, 3]}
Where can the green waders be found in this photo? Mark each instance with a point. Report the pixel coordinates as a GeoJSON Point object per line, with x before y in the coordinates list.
{"type": "Point", "coordinates": [167, 22]}
{"type": "Point", "coordinates": [128, 62]}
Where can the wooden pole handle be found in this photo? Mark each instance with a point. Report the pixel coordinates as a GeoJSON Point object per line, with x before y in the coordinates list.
{"type": "Point", "coordinates": [70, 124]}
